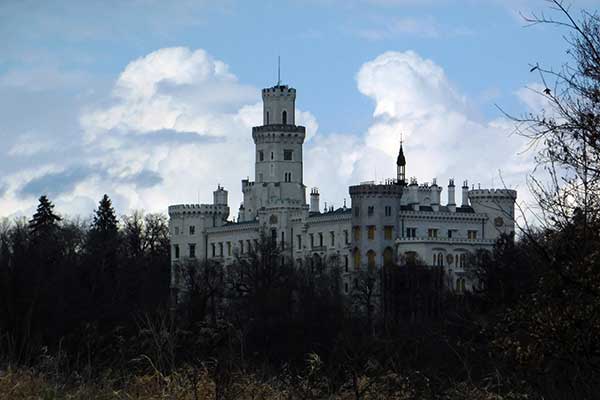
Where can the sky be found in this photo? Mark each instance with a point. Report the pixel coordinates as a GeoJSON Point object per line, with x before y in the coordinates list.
{"type": "Point", "coordinates": [153, 102]}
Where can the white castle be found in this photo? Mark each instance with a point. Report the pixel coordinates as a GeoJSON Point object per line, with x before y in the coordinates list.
{"type": "Point", "coordinates": [393, 222]}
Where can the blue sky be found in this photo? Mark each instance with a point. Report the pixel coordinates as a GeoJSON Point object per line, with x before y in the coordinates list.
{"type": "Point", "coordinates": [152, 102]}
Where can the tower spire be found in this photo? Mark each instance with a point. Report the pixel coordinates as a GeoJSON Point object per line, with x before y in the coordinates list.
{"type": "Point", "coordinates": [401, 164]}
{"type": "Point", "coordinates": [278, 70]}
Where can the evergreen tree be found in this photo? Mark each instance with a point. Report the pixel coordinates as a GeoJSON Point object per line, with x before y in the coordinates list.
{"type": "Point", "coordinates": [104, 230]}
{"type": "Point", "coordinates": [44, 223]}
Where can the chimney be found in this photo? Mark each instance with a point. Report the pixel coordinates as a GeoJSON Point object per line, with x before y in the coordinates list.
{"type": "Point", "coordinates": [314, 200]}
{"type": "Point", "coordinates": [435, 195]}
{"type": "Point", "coordinates": [413, 194]}
{"type": "Point", "coordinates": [465, 194]}
{"type": "Point", "coordinates": [451, 196]}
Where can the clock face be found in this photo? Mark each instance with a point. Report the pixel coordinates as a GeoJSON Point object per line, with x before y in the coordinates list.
{"type": "Point", "coordinates": [498, 221]}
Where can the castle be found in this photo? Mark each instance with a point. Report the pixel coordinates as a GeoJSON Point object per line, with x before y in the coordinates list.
{"type": "Point", "coordinates": [394, 222]}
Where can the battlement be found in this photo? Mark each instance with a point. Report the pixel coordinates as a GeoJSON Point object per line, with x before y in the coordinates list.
{"type": "Point", "coordinates": [388, 188]}
{"type": "Point", "coordinates": [493, 194]}
{"type": "Point", "coordinates": [278, 90]}
{"type": "Point", "coordinates": [198, 209]}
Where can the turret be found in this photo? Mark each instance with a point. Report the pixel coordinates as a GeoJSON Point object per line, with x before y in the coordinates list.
{"type": "Point", "coordinates": [220, 196]}
{"type": "Point", "coordinates": [451, 196]}
{"type": "Point", "coordinates": [465, 194]}
{"type": "Point", "coordinates": [279, 105]}
{"type": "Point", "coordinates": [314, 200]}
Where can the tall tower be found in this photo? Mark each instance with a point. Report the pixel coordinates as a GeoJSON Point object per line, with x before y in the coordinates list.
{"type": "Point", "coordinates": [401, 167]}
{"type": "Point", "coordinates": [278, 142]}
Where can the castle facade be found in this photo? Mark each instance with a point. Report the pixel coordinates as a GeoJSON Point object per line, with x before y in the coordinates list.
{"type": "Point", "coordinates": [398, 221]}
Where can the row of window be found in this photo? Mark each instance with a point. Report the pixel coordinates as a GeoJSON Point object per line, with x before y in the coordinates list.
{"type": "Point", "coordinates": [320, 239]}
{"type": "Point", "coordinates": [283, 118]}
{"type": "Point", "coordinates": [191, 229]}
{"type": "Point", "coordinates": [219, 249]}
{"type": "Point", "coordinates": [409, 233]}
{"type": "Point", "coordinates": [288, 155]}
{"type": "Point", "coordinates": [458, 260]}
{"type": "Point", "coordinates": [371, 211]}
{"type": "Point", "coordinates": [388, 232]}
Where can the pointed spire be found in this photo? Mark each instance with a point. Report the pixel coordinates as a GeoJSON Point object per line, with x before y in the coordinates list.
{"type": "Point", "coordinates": [278, 70]}
{"type": "Point", "coordinates": [401, 161]}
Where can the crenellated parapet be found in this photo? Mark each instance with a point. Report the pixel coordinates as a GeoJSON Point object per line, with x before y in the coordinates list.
{"type": "Point", "coordinates": [180, 210]}
{"type": "Point", "coordinates": [492, 194]}
{"type": "Point", "coordinates": [278, 133]}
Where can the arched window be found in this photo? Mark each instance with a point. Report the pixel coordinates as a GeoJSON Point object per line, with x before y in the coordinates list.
{"type": "Point", "coordinates": [357, 260]}
{"type": "Point", "coordinates": [434, 259]}
{"type": "Point", "coordinates": [284, 117]}
{"type": "Point", "coordinates": [371, 259]}
{"type": "Point", "coordinates": [462, 260]}
{"type": "Point", "coordinates": [388, 256]}
{"type": "Point", "coordinates": [440, 259]}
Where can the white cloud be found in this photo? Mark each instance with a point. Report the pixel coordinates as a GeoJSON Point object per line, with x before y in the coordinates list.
{"type": "Point", "coordinates": [182, 119]}
{"type": "Point", "coordinates": [442, 138]}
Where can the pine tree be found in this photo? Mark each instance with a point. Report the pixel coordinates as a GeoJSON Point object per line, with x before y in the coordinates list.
{"type": "Point", "coordinates": [104, 229]}
{"type": "Point", "coordinates": [44, 223]}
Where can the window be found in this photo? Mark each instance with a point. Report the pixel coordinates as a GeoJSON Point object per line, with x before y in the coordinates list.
{"type": "Point", "coordinates": [228, 249]}
{"type": "Point", "coordinates": [299, 237]}
{"type": "Point", "coordinates": [221, 249]}
{"type": "Point", "coordinates": [346, 287]}
{"type": "Point", "coordinates": [370, 210]}
{"type": "Point", "coordinates": [371, 232]}
{"type": "Point", "coordinates": [356, 211]}
{"type": "Point", "coordinates": [272, 156]}
{"type": "Point", "coordinates": [462, 260]}
{"type": "Point", "coordinates": [432, 233]}
{"type": "Point", "coordinates": [371, 259]}
{"type": "Point", "coordinates": [472, 234]}
{"type": "Point", "coordinates": [345, 263]}
{"type": "Point", "coordinates": [320, 239]}
{"type": "Point", "coordinates": [388, 256]}
{"type": "Point", "coordinates": [284, 117]}
{"type": "Point", "coordinates": [287, 177]}
{"type": "Point", "coordinates": [440, 259]}
{"type": "Point", "coordinates": [356, 230]}
{"type": "Point", "coordinates": [282, 240]}
{"type": "Point", "coordinates": [274, 235]}
{"type": "Point", "coordinates": [388, 232]}
{"type": "Point", "coordinates": [177, 230]}
{"type": "Point", "coordinates": [241, 247]}
{"type": "Point", "coordinates": [176, 250]}
{"type": "Point", "coordinates": [267, 118]}
{"type": "Point", "coordinates": [248, 245]}
{"type": "Point", "coordinates": [287, 155]}
{"type": "Point", "coordinates": [411, 232]}
{"type": "Point", "coordinates": [388, 211]}
{"type": "Point", "coordinates": [192, 250]}
{"type": "Point", "coordinates": [357, 259]}
{"type": "Point", "coordinates": [214, 249]}
{"type": "Point", "coordinates": [192, 230]}
{"type": "Point", "coordinates": [261, 155]}
{"type": "Point", "coordinates": [332, 236]}
{"type": "Point", "coordinates": [312, 240]}
{"type": "Point", "coordinates": [346, 238]}
{"type": "Point", "coordinates": [449, 233]}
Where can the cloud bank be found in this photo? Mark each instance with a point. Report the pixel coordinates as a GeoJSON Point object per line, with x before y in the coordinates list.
{"type": "Point", "coordinates": [178, 122]}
